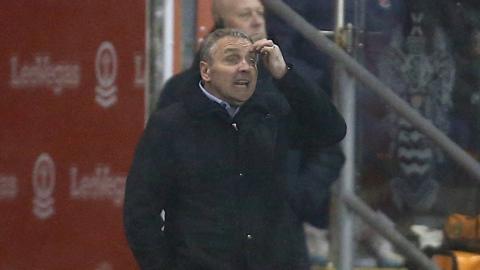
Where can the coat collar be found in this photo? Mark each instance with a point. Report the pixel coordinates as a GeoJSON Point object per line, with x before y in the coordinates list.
{"type": "Point", "coordinates": [199, 106]}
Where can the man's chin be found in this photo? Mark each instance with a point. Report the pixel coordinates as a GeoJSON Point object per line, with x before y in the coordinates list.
{"type": "Point", "coordinates": [240, 101]}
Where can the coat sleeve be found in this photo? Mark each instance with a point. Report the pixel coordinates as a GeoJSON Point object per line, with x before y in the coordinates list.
{"type": "Point", "coordinates": [314, 123]}
{"type": "Point", "coordinates": [310, 185]}
{"type": "Point", "coordinates": [145, 197]}
{"type": "Point", "coordinates": [314, 120]}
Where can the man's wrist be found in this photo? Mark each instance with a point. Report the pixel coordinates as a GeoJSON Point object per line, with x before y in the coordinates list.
{"type": "Point", "coordinates": [284, 71]}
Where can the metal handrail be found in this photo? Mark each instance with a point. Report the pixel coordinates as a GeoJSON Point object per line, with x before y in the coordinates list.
{"type": "Point", "coordinates": [378, 223]}
{"type": "Point", "coordinates": [400, 106]}
{"type": "Point", "coordinates": [368, 79]}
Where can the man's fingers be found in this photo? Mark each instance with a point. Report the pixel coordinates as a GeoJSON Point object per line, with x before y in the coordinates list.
{"type": "Point", "coordinates": [260, 45]}
{"type": "Point", "coordinates": [268, 49]}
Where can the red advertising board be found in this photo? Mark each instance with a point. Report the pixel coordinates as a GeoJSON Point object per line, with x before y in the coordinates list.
{"type": "Point", "coordinates": [72, 106]}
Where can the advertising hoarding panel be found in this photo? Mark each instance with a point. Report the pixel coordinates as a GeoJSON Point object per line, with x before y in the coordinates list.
{"type": "Point", "coordinates": [72, 108]}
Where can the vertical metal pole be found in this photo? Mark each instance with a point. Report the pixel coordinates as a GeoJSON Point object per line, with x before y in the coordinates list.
{"type": "Point", "coordinates": [161, 38]}
{"type": "Point", "coordinates": [339, 15]}
{"type": "Point", "coordinates": [149, 9]}
{"type": "Point", "coordinates": [189, 29]}
{"type": "Point", "coordinates": [344, 86]}
{"type": "Point", "coordinates": [168, 38]}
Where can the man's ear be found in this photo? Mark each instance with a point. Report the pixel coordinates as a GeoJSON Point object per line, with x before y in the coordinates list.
{"type": "Point", "coordinates": [205, 71]}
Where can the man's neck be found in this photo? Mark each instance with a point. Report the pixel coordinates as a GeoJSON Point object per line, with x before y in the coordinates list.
{"type": "Point", "coordinates": [231, 110]}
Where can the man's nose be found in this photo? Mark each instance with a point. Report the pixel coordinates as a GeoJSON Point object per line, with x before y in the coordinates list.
{"type": "Point", "coordinates": [244, 65]}
{"type": "Point", "coordinates": [258, 19]}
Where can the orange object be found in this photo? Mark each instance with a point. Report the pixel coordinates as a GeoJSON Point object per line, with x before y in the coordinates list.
{"type": "Point", "coordinates": [457, 260]}
{"type": "Point", "coordinates": [463, 227]}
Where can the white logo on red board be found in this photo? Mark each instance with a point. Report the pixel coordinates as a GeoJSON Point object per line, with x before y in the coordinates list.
{"type": "Point", "coordinates": [43, 180]}
{"type": "Point", "coordinates": [106, 73]}
{"type": "Point", "coordinates": [42, 72]}
{"type": "Point", "coordinates": [8, 187]}
{"type": "Point", "coordinates": [101, 184]}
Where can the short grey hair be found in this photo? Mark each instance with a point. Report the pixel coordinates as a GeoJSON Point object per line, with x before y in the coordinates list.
{"type": "Point", "coordinates": [212, 39]}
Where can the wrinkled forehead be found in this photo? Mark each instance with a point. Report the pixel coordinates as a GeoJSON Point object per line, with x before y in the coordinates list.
{"type": "Point", "coordinates": [228, 45]}
{"type": "Point", "coordinates": [225, 6]}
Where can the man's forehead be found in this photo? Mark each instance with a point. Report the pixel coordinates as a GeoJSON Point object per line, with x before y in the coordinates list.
{"type": "Point", "coordinates": [231, 5]}
{"type": "Point", "coordinates": [228, 44]}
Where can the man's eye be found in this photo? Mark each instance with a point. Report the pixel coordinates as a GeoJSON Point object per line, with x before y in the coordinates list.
{"type": "Point", "coordinates": [245, 15]}
{"type": "Point", "coordinates": [252, 61]}
{"type": "Point", "coordinates": [232, 59]}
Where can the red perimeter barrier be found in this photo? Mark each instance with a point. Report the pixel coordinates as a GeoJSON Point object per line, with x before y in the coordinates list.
{"type": "Point", "coordinates": [71, 111]}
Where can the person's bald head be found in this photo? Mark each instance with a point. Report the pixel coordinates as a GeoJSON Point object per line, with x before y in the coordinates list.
{"type": "Point", "coordinates": [245, 15]}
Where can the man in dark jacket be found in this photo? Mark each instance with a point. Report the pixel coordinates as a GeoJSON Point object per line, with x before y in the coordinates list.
{"type": "Point", "coordinates": [311, 172]}
{"type": "Point", "coordinates": [215, 164]}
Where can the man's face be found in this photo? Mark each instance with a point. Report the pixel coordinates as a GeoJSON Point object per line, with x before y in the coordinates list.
{"type": "Point", "coordinates": [245, 15]}
{"type": "Point", "coordinates": [231, 74]}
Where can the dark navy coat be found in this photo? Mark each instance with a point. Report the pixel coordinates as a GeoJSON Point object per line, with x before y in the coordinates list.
{"type": "Point", "coordinates": [311, 171]}
{"type": "Point", "coordinates": [222, 181]}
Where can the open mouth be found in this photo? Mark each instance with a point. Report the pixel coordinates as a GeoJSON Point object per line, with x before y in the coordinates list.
{"type": "Point", "coordinates": [243, 83]}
